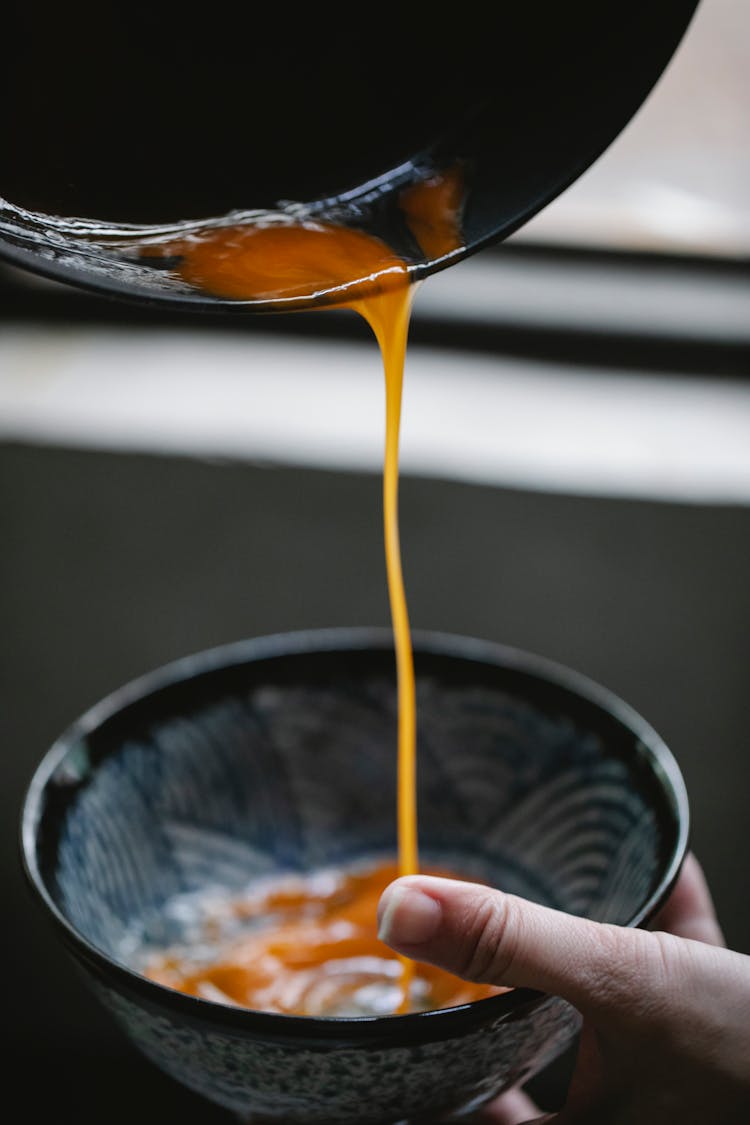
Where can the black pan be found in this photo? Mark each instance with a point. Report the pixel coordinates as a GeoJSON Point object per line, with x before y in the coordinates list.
{"type": "Point", "coordinates": [140, 118]}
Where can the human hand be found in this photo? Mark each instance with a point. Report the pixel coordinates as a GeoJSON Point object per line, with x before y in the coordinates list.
{"type": "Point", "coordinates": [666, 1012]}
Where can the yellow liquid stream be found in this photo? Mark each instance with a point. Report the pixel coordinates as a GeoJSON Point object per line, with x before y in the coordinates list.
{"type": "Point", "coordinates": [297, 262]}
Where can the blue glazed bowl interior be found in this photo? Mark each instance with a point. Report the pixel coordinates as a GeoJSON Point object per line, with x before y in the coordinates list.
{"type": "Point", "coordinates": [279, 755]}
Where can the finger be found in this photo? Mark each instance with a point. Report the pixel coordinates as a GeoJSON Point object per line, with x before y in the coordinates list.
{"type": "Point", "coordinates": [484, 935]}
{"type": "Point", "coordinates": [689, 911]}
{"type": "Point", "coordinates": [512, 1108]}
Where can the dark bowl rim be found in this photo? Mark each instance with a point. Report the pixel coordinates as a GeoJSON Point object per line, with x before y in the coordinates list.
{"type": "Point", "coordinates": [391, 1029]}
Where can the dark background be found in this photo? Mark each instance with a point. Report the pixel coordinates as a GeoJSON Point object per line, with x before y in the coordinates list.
{"type": "Point", "coordinates": [111, 564]}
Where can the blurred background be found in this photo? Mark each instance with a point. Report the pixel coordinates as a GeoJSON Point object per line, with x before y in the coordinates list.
{"type": "Point", "coordinates": [576, 482]}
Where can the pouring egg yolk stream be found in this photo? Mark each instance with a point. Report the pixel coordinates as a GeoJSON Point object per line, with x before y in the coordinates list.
{"type": "Point", "coordinates": [297, 262]}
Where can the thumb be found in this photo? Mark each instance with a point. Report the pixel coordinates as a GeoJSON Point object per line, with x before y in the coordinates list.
{"type": "Point", "coordinates": [484, 935]}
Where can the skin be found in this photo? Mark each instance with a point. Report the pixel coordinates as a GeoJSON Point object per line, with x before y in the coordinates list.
{"type": "Point", "coordinates": [666, 1012]}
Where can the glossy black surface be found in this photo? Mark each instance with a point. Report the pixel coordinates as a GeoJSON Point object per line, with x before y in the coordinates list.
{"type": "Point", "coordinates": [153, 118]}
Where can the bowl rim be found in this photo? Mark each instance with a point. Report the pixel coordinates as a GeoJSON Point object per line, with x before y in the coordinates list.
{"type": "Point", "coordinates": [321, 1030]}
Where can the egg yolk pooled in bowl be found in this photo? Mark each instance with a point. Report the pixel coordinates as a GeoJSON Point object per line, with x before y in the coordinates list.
{"type": "Point", "coordinates": [305, 945]}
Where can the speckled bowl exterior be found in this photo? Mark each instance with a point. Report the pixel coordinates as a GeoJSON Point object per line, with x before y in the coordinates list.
{"type": "Point", "coordinates": [277, 754]}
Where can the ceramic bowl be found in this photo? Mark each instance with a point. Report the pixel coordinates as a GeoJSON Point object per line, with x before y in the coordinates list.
{"type": "Point", "coordinates": [278, 754]}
